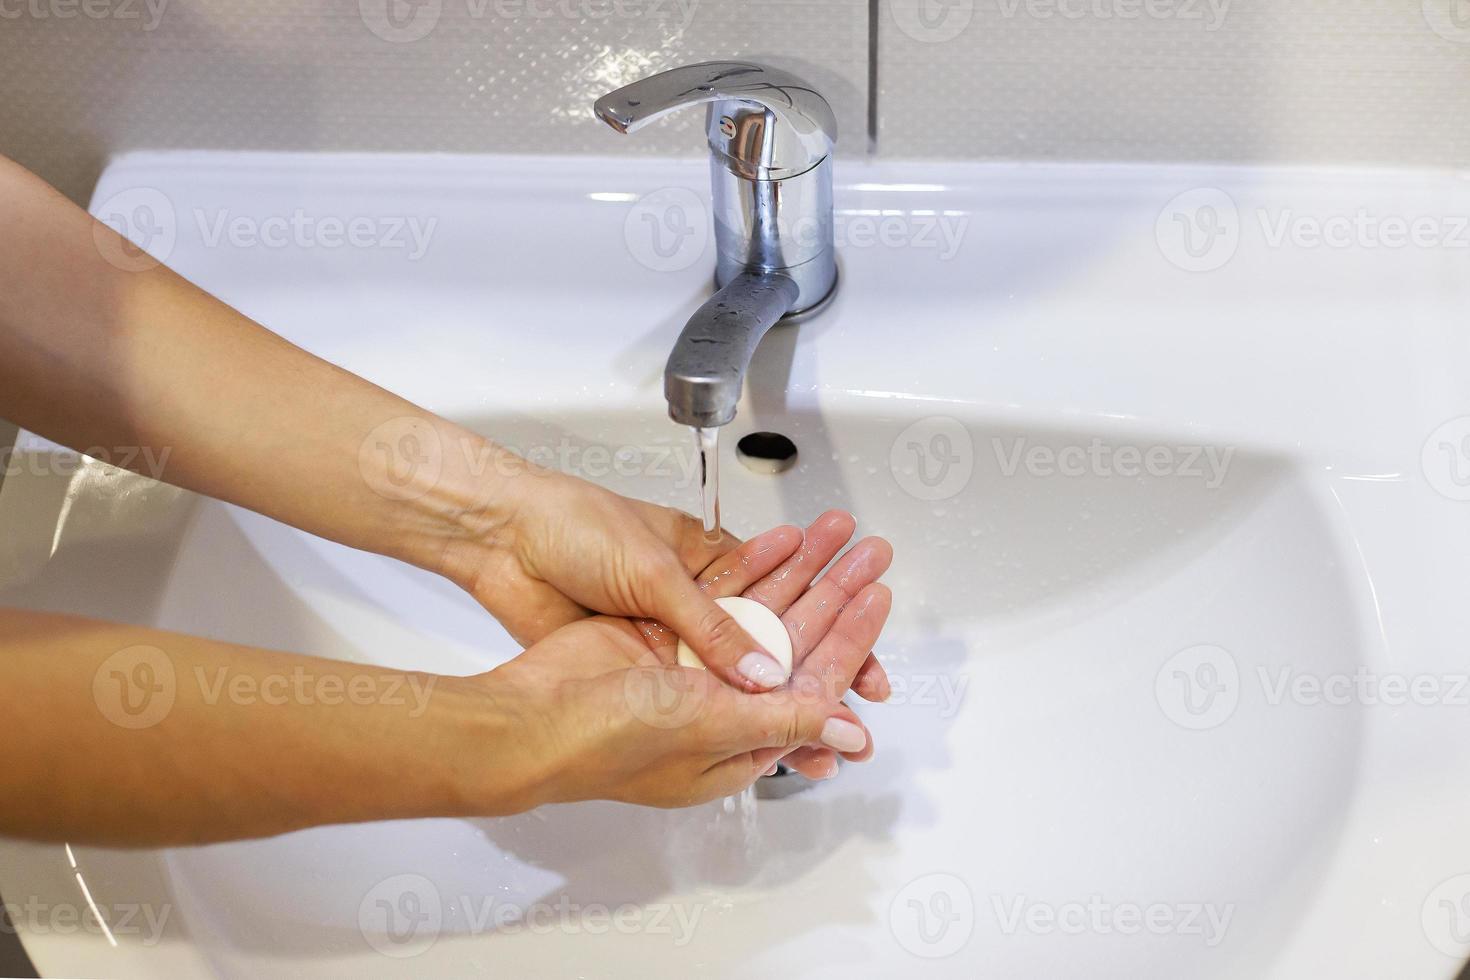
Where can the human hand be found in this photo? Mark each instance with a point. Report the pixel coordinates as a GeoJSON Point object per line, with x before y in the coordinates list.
{"type": "Point", "coordinates": [552, 549]}
{"type": "Point", "coordinates": [833, 624]}
{"type": "Point", "coordinates": [597, 715]}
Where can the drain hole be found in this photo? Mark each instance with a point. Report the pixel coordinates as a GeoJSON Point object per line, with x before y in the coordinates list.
{"type": "Point", "coordinates": [766, 452]}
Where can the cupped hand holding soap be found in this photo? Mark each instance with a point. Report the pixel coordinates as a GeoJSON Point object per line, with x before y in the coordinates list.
{"type": "Point", "coordinates": [764, 626]}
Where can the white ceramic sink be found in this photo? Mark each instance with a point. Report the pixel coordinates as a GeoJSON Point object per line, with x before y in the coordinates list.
{"type": "Point", "coordinates": [1139, 506]}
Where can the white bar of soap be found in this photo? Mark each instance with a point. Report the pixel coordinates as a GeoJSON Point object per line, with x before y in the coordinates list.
{"type": "Point", "coordinates": [764, 626]}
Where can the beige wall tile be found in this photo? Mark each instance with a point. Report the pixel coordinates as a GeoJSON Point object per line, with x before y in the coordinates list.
{"type": "Point", "coordinates": [508, 76]}
{"type": "Point", "coordinates": [1344, 81]}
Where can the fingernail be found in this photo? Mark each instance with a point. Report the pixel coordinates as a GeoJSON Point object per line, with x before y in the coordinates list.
{"type": "Point", "coordinates": [771, 771]}
{"type": "Point", "coordinates": [843, 736]}
{"type": "Point", "coordinates": [871, 690]}
{"type": "Point", "coordinates": [761, 670]}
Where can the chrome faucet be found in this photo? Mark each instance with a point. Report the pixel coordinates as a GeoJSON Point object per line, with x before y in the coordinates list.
{"type": "Point", "coordinates": [770, 138]}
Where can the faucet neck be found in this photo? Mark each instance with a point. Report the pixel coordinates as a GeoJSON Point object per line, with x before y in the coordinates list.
{"type": "Point", "coordinates": [706, 370]}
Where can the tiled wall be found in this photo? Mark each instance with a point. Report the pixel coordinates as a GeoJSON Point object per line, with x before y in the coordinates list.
{"type": "Point", "coordinates": [1350, 81]}
{"type": "Point", "coordinates": [1338, 81]}
{"type": "Point", "coordinates": [515, 76]}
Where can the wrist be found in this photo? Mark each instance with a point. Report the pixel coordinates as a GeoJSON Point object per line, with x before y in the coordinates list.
{"type": "Point", "coordinates": [459, 507]}
{"type": "Point", "coordinates": [492, 763]}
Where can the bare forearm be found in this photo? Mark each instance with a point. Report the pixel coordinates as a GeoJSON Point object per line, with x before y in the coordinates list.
{"type": "Point", "coordinates": [130, 736]}
{"type": "Point", "coordinates": [98, 353]}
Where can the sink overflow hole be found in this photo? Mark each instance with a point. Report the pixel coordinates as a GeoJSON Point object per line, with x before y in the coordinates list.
{"type": "Point", "coordinates": [766, 452]}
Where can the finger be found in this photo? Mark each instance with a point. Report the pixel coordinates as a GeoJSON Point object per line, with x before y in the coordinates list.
{"type": "Point", "coordinates": [835, 661]}
{"type": "Point", "coordinates": [685, 534]}
{"type": "Point", "coordinates": [871, 682]}
{"type": "Point", "coordinates": [860, 754]}
{"type": "Point", "coordinates": [729, 575]}
{"type": "Point", "coordinates": [720, 643]}
{"type": "Point", "coordinates": [660, 639]}
{"type": "Point", "coordinates": [737, 773]}
{"type": "Point", "coordinates": [786, 718]}
{"type": "Point", "coordinates": [735, 571]}
{"type": "Point", "coordinates": [812, 615]}
{"type": "Point", "coordinates": [812, 763]}
{"type": "Point", "coordinates": [866, 752]}
{"type": "Point", "coordinates": [823, 540]}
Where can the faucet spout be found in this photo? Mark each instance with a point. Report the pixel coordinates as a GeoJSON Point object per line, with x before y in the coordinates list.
{"type": "Point", "coordinates": [706, 370]}
{"type": "Point", "coordinates": [771, 137]}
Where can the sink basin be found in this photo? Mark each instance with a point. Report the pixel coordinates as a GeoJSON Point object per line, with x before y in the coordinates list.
{"type": "Point", "coordinates": [1138, 510]}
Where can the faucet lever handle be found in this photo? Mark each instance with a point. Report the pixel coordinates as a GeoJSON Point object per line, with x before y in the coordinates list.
{"type": "Point", "coordinates": [766, 124]}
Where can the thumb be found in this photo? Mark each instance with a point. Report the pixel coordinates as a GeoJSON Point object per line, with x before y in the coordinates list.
{"type": "Point", "coordinates": [786, 719]}
{"type": "Point", "coordinates": [721, 644]}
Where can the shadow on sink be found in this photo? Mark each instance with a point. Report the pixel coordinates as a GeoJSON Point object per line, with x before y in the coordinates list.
{"type": "Point", "coordinates": [1010, 540]}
